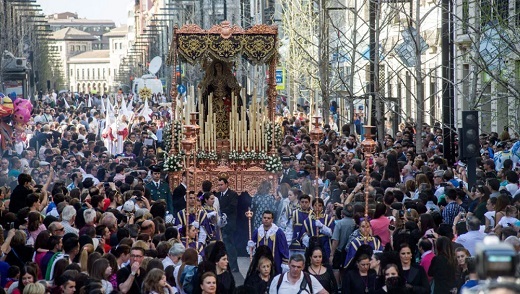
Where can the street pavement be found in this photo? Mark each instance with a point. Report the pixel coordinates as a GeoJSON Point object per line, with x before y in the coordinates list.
{"type": "Point", "coordinates": [243, 266]}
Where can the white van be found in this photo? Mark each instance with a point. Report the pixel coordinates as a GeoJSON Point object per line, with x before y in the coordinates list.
{"type": "Point", "coordinates": [149, 81]}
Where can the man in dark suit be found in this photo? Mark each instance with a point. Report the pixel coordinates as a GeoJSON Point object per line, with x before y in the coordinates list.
{"type": "Point", "coordinates": [20, 193]}
{"type": "Point", "coordinates": [178, 196]}
{"type": "Point", "coordinates": [228, 206]}
{"type": "Point", "coordinates": [159, 189]}
{"type": "Point", "coordinates": [288, 173]}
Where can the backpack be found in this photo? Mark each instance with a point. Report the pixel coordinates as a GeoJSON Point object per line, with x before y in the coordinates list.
{"type": "Point", "coordinates": [303, 285]}
{"type": "Point", "coordinates": [186, 280]}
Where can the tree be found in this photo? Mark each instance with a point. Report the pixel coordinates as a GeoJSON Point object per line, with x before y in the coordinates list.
{"type": "Point", "coordinates": [488, 51]}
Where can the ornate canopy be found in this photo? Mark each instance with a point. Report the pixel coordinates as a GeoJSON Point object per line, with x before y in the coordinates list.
{"type": "Point", "coordinates": [224, 42]}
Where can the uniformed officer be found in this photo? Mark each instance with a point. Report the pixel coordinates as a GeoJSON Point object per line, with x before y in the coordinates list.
{"type": "Point", "coordinates": [159, 189]}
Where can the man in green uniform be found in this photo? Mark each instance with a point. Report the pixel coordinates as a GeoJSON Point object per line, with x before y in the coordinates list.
{"type": "Point", "coordinates": [159, 189]}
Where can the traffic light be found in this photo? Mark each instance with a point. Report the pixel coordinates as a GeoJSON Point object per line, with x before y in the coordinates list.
{"type": "Point", "coordinates": [470, 138]}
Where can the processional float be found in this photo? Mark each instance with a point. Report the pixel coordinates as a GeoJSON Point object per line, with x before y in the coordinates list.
{"type": "Point", "coordinates": [218, 135]}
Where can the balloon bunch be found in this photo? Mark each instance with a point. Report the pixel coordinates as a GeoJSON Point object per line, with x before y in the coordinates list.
{"type": "Point", "coordinates": [18, 110]}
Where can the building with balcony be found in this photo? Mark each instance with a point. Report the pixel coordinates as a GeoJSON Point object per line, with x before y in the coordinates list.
{"type": "Point", "coordinates": [87, 70]}
{"type": "Point", "coordinates": [95, 27]}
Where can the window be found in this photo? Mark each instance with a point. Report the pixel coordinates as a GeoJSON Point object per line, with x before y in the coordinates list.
{"type": "Point", "coordinates": [88, 73]}
{"type": "Point", "coordinates": [98, 73]}
{"type": "Point", "coordinates": [77, 74]}
{"type": "Point", "coordinates": [103, 73]}
{"type": "Point", "coordinates": [465, 16]}
{"type": "Point", "coordinates": [72, 48]}
{"type": "Point", "coordinates": [494, 10]}
{"type": "Point", "coordinates": [83, 74]}
{"type": "Point", "coordinates": [71, 72]}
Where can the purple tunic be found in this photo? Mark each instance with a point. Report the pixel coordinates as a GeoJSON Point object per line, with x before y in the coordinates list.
{"type": "Point", "coordinates": [274, 239]}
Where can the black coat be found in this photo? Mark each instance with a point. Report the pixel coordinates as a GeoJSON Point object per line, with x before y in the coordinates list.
{"type": "Point", "coordinates": [178, 199]}
{"type": "Point", "coordinates": [18, 198]}
{"type": "Point", "coordinates": [443, 274]}
{"type": "Point", "coordinates": [417, 277]}
{"type": "Point", "coordinates": [228, 205]}
{"type": "Point", "coordinates": [354, 283]}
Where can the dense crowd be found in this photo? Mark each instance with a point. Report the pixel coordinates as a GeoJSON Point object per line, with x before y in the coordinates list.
{"type": "Point", "coordinates": [80, 218]}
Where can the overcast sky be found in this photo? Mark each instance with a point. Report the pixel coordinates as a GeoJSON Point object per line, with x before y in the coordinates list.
{"type": "Point", "coordinates": [92, 9]}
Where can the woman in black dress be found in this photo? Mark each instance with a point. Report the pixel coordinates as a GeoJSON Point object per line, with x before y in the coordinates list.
{"type": "Point", "coordinates": [443, 267]}
{"type": "Point", "coordinates": [225, 280]}
{"type": "Point", "coordinates": [322, 273]}
{"type": "Point", "coordinates": [393, 281]}
{"type": "Point", "coordinates": [360, 280]}
{"type": "Point", "coordinates": [413, 274]}
{"type": "Point", "coordinates": [261, 270]}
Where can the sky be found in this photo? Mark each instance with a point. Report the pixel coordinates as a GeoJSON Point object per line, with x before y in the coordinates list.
{"type": "Point", "coordinates": [91, 9]}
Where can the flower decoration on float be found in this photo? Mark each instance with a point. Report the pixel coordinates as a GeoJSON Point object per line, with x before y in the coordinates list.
{"type": "Point", "coordinates": [261, 155]}
{"type": "Point", "coordinates": [250, 155]}
{"type": "Point", "coordinates": [167, 135]}
{"type": "Point", "coordinates": [145, 93]}
{"type": "Point", "coordinates": [273, 164]}
{"type": "Point", "coordinates": [233, 155]}
{"type": "Point", "coordinates": [202, 155]}
{"type": "Point", "coordinates": [278, 134]}
{"type": "Point", "coordinates": [174, 162]}
{"type": "Point", "coordinates": [212, 155]}
{"type": "Point", "coordinates": [176, 134]}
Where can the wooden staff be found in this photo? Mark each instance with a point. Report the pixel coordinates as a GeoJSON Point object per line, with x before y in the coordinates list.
{"type": "Point", "coordinates": [249, 215]}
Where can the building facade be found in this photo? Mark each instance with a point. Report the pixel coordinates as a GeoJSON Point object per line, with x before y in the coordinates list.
{"type": "Point", "coordinates": [96, 28]}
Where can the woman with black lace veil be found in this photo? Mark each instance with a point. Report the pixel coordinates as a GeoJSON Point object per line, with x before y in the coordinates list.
{"type": "Point", "coordinates": [315, 266]}
{"type": "Point", "coordinates": [261, 270]}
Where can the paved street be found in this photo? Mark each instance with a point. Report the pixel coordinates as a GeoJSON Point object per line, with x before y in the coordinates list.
{"type": "Point", "coordinates": [243, 265]}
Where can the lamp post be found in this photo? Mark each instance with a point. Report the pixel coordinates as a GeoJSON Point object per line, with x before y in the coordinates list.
{"type": "Point", "coordinates": [316, 136]}
{"type": "Point", "coordinates": [369, 146]}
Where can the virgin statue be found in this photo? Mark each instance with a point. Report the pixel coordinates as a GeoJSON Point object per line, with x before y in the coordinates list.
{"type": "Point", "coordinates": [220, 81]}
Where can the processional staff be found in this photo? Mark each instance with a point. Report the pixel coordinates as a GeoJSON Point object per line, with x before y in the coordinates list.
{"type": "Point", "coordinates": [249, 215]}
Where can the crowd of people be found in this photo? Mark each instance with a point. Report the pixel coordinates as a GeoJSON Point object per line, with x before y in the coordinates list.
{"type": "Point", "coordinates": [79, 218]}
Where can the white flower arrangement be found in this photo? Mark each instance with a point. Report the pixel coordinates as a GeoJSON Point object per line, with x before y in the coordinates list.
{"type": "Point", "coordinates": [278, 135]}
{"type": "Point", "coordinates": [250, 155]}
{"type": "Point", "coordinates": [233, 155]}
{"type": "Point", "coordinates": [212, 155]}
{"type": "Point", "coordinates": [167, 135]}
{"type": "Point", "coordinates": [176, 134]}
{"type": "Point", "coordinates": [261, 155]}
{"type": "Point", "coordinates": [174, 162]}
{"type": "Point", "coordinates": [273, 164]}
{"type": "Point", "coordinates": [202, 154]}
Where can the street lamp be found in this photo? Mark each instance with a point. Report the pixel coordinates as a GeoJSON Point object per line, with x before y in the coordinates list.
{"type": "Point", "coordinates": [316, 135]}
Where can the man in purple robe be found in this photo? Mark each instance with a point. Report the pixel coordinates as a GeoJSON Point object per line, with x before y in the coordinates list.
{"type": "Point", "coordinates": [272, 236]}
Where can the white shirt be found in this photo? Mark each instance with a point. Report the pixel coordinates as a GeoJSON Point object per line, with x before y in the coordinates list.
{"type": "Point", "coordinates": [167, 261]}
{"type": "Point", "coordinates": [506, 220]}
{"type": "Point", "coordinates": [490, 215]}
{"type": "Point", "coordinates": [470, 240]}
{"type": "Point", "coordinates": [288, 287]}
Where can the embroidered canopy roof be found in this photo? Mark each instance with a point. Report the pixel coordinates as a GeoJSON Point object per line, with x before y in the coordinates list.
{"type": "Point", "coordinates": [224, 42]}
